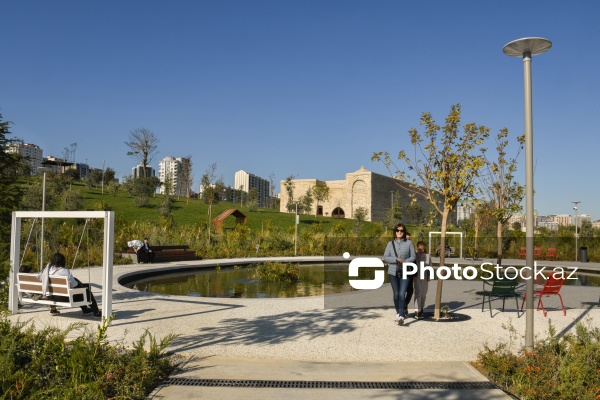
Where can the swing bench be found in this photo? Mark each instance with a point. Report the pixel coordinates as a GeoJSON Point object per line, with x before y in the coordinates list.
{"type": "Point", "coordinates": [59, 293]}
{"type": "Point", "coordinates": [58, 289]}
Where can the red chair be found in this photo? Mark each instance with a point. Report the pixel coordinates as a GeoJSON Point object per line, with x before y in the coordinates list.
{"type": "Point", "coordinates": [523, 253]}
{"type": "Point", "coordinates": [551, 254]}
{"type": "Point", "coordinates": [537, 253]}
{"type": "Point", "coordinates": [551, 286]}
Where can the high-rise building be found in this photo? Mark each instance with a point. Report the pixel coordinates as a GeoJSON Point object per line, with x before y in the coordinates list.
{"type": "Point", "coordinates": [562, 219]}
{"type": "Point", "coordinates": [463, 212]}
{"type": "Point", "coordinates": [584, 217]}
{"type": "Point", "coordinates": [245, 182]}
{"type": "Point", "coordinates": [32, 153]}
{"type": "Point", "coordinates": [170, 168]}
{"type": "Point", "coordinates": [138, 171]}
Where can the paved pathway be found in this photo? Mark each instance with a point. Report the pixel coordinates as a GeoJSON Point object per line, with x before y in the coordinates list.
{"type": "Point", "coordinates": [317, 338]}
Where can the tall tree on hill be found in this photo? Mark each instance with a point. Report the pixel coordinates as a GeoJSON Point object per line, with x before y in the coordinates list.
{"type": "Point", "coordinates": [186, 177]}
{"type": "Point", "coordinates": [289, 191]}
{"type": "Point", "coordinates": [211, 190]}
{"type": "Point", "coordinates": [143, 146]}
{"type": "Point", "coordinates": [271, 189]}
{"type": "Point", "coordinates": [443, 170]}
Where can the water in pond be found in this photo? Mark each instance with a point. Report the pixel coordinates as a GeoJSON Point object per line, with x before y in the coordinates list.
{"type": "Point", "coordinates": [315, 280]}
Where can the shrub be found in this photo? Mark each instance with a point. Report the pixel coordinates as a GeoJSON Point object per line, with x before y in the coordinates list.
{"type": "Point", "coordinates": [566, 367]}
{"type": "Point", "coordinates": [277, 272]}
{"type": "Point", "coordinates": [43, 364]}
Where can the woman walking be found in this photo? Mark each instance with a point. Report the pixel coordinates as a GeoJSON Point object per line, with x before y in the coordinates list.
{"type": "Point", "coordinates": [397, 252]}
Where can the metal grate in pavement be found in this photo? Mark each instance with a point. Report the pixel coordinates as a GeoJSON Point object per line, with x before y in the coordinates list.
{"type": "Point", "coordinates": [242, 383]}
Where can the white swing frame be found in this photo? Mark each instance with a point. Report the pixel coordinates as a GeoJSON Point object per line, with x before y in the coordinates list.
{"type": "Point", "coordinates": [107, 251]}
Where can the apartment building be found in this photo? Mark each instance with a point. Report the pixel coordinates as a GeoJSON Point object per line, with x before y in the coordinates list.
{"type": "Point", "coordinates": [31, 152]}
{"type": "Point", "coordinates": [170, 168]}
{"type": "Point", "coordinates": [246, 181]}
{"type": "Point", "coordinates": [138, 171]}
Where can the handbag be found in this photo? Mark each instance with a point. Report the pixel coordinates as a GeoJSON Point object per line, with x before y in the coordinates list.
{"type": "Point", "coordinates": [398, 267]}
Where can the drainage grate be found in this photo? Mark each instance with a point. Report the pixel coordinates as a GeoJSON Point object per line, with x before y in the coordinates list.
{"type": "Point", "coordinates": [326, 384]}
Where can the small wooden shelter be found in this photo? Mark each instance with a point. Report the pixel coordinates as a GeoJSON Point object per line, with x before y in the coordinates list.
{"type": "Point", "coordinates": [239, 218]}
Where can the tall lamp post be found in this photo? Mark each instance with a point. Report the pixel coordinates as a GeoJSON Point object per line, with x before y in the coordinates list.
{"type": "Point", "coordinates": [526, 48]}
{"type": "Point", "coordinates": [576, 207]}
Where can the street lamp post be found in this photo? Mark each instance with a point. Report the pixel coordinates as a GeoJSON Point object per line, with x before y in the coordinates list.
{"type": "Point", "coordinates": [576, 207]}
{"type": "Point", "coordinates": [526, 48]}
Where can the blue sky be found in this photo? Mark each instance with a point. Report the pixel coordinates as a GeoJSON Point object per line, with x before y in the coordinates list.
{"type": "Point", "coordinates": [309, 88]}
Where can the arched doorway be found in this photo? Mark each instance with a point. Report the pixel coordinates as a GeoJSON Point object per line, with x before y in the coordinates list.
{"type": "Point", "coordinates": [338, 213]}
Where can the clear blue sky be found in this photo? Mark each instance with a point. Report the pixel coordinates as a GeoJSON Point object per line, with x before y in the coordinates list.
{"type": "Point", "coordinates": [309, 88]}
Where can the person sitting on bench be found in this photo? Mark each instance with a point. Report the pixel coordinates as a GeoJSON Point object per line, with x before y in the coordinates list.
{"type": "Point", "coordinates": [56, 267]}
{"type": "Point", "coordinates": [146, 249]}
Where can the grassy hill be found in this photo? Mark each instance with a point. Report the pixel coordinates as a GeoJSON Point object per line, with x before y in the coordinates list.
{"type": "Point", "coordinates": [194, 211]}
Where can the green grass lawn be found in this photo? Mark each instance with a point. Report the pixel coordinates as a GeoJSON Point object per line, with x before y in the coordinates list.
{"type": "Point", "coordinates": [192, 211]}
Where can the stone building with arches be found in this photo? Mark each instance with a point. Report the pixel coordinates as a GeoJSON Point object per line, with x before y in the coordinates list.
{"type": "Point", "coordinates": [362, 188]}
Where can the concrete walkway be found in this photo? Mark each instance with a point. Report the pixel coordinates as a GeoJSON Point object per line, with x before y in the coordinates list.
{"type": "Point", "coordinates": [344, 338]}
{"type": "Point", "coordinates": [406, 380]}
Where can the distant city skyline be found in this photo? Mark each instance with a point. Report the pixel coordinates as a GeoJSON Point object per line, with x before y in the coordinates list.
{"type": "Point", "coordinates": [309, 89]}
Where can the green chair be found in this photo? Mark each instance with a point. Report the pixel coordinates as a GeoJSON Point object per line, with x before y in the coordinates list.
{"type": "Point", "coordinates": [500, 288]}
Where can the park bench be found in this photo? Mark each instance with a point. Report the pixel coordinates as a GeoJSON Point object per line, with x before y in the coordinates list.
{"type": "Point", "coordinates": [162, 254]}
{"type": "Point", "coordinates": [30, 285]}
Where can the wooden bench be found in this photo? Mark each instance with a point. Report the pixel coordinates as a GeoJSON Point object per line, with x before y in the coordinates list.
{"type": "Point", "coordinates": [162, 254]}
{"type": "Point", "coordinates": [58, 286]}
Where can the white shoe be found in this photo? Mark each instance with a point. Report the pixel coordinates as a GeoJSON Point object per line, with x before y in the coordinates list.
{"type": "Point", "coordinates": [401, 321]}
{"type": "Point", "coordinates": [397, 318]}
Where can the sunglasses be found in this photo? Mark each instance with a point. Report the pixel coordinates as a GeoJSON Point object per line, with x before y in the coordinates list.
{"type": "Point", "coordinates": [399, 230]}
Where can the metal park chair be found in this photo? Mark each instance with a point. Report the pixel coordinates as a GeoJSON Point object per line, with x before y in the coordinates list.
{"type": "Point", "coordinates": [499, 288]}
{"type": "Point", "coordinates": [550, 287]}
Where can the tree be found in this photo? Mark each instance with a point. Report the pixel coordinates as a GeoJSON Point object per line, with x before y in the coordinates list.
{"type": "Point", "coordinates": [415, 211]}
{"type": "Point", "coordinates": [109, 175]}
{"type": "Point", "coordinates": [305, 202]}
{"type": "Point", "coordinates": [72, 174]}
{"type": "Point", "coordinates": [72, 200]}
{"type": "Point", "coordinates": [271, 189]}
{"type": "Point", "coordinates": [289, 191]}
{"type": "Point", "coordinates": [113, 187]}
{"type": "Point", "coordinates": [186, 177]}
{"type": "Point", "coordinates": [443, 170]}
{"type": "Point", "coordinates": [10, 192]}
{"type": "Point", "coordinates": [167, 185]}
{"type": "Point", "coordinates": [96, 177]}
{"type": "Point", "coordinates": [321, 194]}
{"type": "Point", "coordinates": [498, 184]}
{"type": "Point", "coordinates": [143, 146]}
{"type": "Point", "coordinates": [141, 189]}
{"type": "Point", "coordinates": [480, 215]}
{"type": "Point", "coordinates": [360, 216]}
{"type": "Point", "coordinates": [252, 200]}
{"type": "Point", "coordinates": [394, 214]}
{"type": "Point", "coordinates": [211, 190]}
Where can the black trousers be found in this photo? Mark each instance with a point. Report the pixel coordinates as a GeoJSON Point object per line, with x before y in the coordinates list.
{"type": "Point", "coordinates": [78, 297]}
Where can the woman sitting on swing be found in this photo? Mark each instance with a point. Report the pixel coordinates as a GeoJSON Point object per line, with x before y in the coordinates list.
{"type": "Point", "coordinates": [56, 267]}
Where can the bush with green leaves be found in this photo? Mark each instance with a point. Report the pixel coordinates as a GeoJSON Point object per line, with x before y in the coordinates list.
{"type": "Point", "coordinates": [277, 272]}
{"type": "Point", "coordinates": [559, 367]}
{"type": "Point", "coordinates": [40, 364]}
